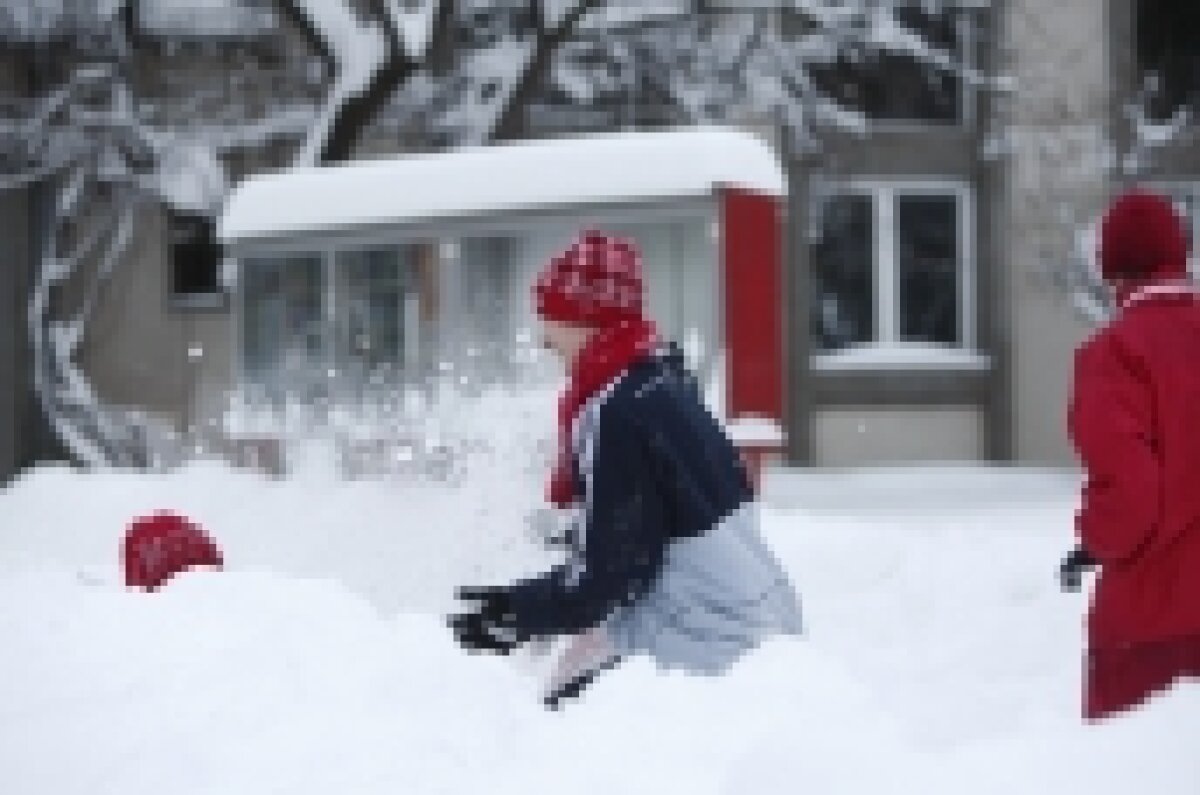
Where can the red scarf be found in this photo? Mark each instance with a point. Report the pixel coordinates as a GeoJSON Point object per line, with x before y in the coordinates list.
{"type": "Point", "coordinates": [608, 353]}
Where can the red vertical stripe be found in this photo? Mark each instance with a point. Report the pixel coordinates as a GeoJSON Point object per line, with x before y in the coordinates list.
{"type": "Point", "coordinates": [751, 253]}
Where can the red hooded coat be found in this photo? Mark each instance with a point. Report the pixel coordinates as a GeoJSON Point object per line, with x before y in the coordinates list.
{"type": "Point", "coordinates": [1135, 422]}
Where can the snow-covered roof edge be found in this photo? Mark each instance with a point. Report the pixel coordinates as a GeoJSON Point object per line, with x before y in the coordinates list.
{"type": "Point", "coordinates": [474, 181]}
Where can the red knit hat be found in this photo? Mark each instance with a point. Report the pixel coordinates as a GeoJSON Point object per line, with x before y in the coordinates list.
{"type": "Point", "coordinates": [159, 546]}
{"type": "Point", "coordinates": [597, 281]}
{"type": "Point", "coordinates": [1143, 238]}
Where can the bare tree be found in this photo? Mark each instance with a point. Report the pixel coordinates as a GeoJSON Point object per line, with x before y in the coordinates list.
{"type": "Point", "coordinates": [451, 73]}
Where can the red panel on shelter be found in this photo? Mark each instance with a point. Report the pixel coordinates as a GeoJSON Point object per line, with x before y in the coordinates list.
{"type": "Point", "coordinates": [751, 248]}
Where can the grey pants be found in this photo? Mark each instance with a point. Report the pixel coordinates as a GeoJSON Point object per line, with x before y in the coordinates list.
{"type": "Point", "coordinates": [718, 596]}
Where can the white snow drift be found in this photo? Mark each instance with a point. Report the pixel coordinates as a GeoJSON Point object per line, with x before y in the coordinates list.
{"type": "Point", "coordinates": [940, 656]}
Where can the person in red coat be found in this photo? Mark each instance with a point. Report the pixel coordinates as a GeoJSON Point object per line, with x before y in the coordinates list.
{"type": "Point", "coordinates": [1134, 419]}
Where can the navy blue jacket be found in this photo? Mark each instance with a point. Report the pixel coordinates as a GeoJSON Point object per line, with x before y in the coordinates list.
{"type": "Point", "coordinates": [662, 469]}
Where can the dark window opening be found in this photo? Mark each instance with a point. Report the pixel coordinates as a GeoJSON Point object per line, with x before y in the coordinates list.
{"type": "Point", "coordinates": [1168, 54]}
{"type": "Point", "coordinates": [195, 258]}
{"type": "Point", "coordinates": [928, 259]}
{"type": "Point", "coordinates": [844, 263]}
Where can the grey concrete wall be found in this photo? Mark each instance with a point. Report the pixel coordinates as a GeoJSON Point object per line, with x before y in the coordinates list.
{"type": "Point", "coordinates": [137, 348]}
{"type": "Point", "coordinates": [14, 269]}
{"type": "Point", "coordinates": [797, 291]}
{"type": "Point", "coordinates": [867, 435]}
{"type": "Point", "coordinates": [1058, 121]}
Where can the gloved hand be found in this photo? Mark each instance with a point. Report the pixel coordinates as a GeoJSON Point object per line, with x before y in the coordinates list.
{"type": "Point", "coordinates": [489, 626]}
{"type": "Point", "coordinates": [1070, 572]}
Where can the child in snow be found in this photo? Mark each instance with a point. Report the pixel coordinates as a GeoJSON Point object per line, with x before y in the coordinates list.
{"type": "Point", "coordinates": [1135, 422]}
{"type": "Point", "coordinates": [666, 554]}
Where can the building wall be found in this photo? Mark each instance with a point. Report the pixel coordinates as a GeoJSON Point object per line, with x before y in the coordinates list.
{"type": "Point", "coordinates": [854, 435]}
{"type": "Point", "coordinates": [823, 404]}
{"type": "Point", "coordinates": [138, 344]}
{"type": "Point", "coordinates": [1059, 133]}
{"type": "Point", "coordinates": [1061, 130]}
{"type": "Point", "coordinates": [14, 379]}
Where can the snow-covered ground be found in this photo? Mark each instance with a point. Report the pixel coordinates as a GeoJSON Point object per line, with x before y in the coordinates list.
{"type": "Point", "coordinates": [940, 657]}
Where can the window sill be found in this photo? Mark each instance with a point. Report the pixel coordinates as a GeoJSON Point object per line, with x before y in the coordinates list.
{"type": "Point", "coordinates": [755, 431]}
{"type": "Point", "coordinates": [199, 302]}
{"type": "Point", "coordinates": [903, 358]}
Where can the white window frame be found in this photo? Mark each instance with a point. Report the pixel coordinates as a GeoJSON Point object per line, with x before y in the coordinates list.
{"type": "Point", "coordinates": [887, 351]}
{"type": "Point", "coordinates": [327, 254]}
{"type": "Point", "coordinates": [235, 282]}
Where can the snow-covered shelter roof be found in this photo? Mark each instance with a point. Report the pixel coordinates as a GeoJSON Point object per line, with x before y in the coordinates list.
{"type": "Point", "coordinates": [607, 168]}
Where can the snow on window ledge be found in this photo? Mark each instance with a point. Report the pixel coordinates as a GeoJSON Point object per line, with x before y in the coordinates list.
{"type": "Point", "coordinates": [752, 430]}
{"type": "Point", "coordinates": [214, 301]}
{"type": "Point", "coordinates": [903, 357]}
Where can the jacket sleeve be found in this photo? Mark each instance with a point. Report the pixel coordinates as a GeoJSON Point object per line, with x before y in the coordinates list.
{"type": "Point", "coordinates": [1111, 424]}
{"type": "Point", "coordinates": [623, 541]}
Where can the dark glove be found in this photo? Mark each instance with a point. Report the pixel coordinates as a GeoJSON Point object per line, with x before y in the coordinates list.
{"type": "Point", "coordinates": [489, 627]}
{"type": "Point", "coordinates": [1070, 572]}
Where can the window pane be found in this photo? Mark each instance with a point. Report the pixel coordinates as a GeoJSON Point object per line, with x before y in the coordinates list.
{"type": "Point", "coordinates": [283, 343]}
{"type": "Point", "coordinates": [373, 291]}
{"type": "Point", "coordinates": [195, 255]}
{"type": "Point", "coordinates": [843, 262]}
{"type": "Point", "coordinates": [488, 277]}
{"type": "Point", "coordinates": [928, 261]}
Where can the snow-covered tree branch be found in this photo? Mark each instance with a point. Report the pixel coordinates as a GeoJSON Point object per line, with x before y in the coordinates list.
{"type": "Point", "coordinates": [451, 72]}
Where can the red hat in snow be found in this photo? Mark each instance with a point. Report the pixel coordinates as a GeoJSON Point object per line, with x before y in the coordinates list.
{"type": "Point", "coordinates": [597, 281]}
{"type": "Point", "coordinates": [1142, 237]}
{"type": "Point", "coordinates": [159, 546]}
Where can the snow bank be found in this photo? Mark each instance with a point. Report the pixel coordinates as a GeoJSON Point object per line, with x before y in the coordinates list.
{"type": "Point", "coordinates": [940, 656]}
{"type": "Point", "coordinates": [614, 167]}
{"type": "Point", "coordinates": [397, 544]}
